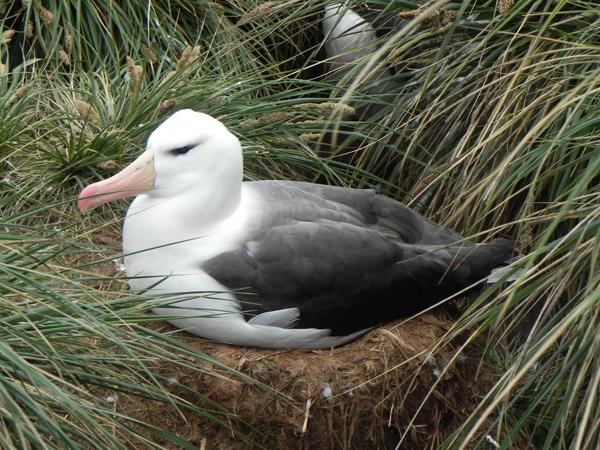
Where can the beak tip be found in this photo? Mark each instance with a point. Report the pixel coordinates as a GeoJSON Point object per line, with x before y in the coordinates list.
{"type": "Point", "coordinates": [81, 207]}
{"type": "Point", "coordinates": [85, 201]}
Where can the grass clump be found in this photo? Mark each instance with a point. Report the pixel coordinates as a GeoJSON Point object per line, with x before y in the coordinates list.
{"type": "Point", "coordinates": [488, 124]}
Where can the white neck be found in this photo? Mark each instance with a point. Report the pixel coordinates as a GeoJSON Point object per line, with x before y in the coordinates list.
{"type": "Point", "coordinates": [159, 218]}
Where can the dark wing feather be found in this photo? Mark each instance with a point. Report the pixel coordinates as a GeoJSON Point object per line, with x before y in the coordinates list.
{"type": "Point", "coordinates": [348, 259]}
{"type": "Point", "coordinates": [379, 211]}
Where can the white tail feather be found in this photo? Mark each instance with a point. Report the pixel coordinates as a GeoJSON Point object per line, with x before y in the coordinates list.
{"type": "Point", "coordinates": [282, 318]}
{"type": "Point", "coordinates": [508, 273]}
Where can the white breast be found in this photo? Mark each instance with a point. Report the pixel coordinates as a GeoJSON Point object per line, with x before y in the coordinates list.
{"type": "Point", "coordinates": [164, 256]}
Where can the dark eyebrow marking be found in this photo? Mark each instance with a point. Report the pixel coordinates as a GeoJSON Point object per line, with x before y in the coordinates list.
{"type": "Point", "coordinates": [181, 150]}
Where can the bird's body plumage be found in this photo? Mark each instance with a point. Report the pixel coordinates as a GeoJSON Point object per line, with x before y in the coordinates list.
{"type": "Point", "coordinates": [348, 259]}
{"type": "Point", "coordinates": [280, 264]}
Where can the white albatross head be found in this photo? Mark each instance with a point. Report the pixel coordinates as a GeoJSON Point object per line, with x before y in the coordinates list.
{"type": "Point", "coordinates": [187, 150]}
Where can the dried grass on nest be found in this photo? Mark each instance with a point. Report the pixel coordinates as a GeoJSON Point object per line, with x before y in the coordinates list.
{"type": "Point", "coordinates": [377, 383]}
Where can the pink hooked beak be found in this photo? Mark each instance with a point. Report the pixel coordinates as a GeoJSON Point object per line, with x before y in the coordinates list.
{"type": "Point", "coordinates": [134, 179]}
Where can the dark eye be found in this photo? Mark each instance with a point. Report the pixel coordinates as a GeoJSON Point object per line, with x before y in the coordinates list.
{"type": "Point", "coordinates": [181, 150]}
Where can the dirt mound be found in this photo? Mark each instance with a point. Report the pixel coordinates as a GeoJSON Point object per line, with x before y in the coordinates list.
{"type": "Point", "coordinates": [365, 395]}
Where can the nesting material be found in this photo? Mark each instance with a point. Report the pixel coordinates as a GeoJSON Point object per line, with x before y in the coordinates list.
{"type": "Point", "coordinates": [362, 395]}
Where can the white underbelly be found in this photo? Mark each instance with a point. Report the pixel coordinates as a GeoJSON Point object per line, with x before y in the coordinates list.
{"type": "Point", "coordinates": [172, 275]}
{"type": "Point", "coordinates": [163, 260]}
{"type": "Point", "coordinates": [193, 301]}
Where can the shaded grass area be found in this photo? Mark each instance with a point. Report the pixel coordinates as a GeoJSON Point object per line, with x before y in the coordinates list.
{"type": "Point", "coordinates": [490, 126]}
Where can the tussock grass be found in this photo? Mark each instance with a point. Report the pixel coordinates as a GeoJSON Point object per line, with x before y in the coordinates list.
{"type": "Point", "coordinates": [489, 124]}
{"type": "Point", "coordinates": [74, 342]}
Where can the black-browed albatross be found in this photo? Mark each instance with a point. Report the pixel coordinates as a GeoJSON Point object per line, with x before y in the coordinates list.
{"type": "Point", "coordinates": [321, 264]}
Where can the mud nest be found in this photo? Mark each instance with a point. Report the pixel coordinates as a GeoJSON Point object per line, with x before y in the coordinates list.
{"type": "Point", "coordinates": [381, 391]}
